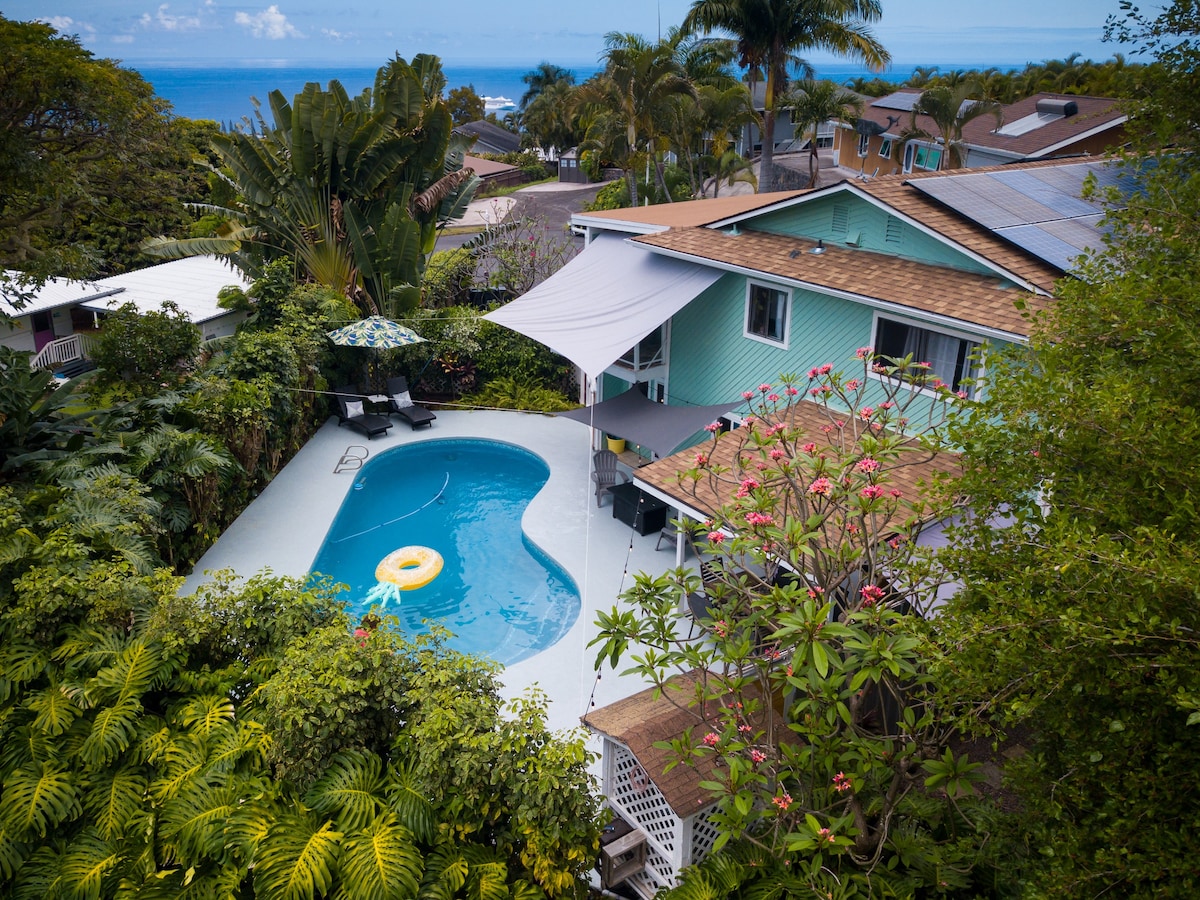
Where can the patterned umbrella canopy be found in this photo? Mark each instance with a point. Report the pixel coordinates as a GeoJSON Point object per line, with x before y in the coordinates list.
{"type": "Point", "coordinates": [376, 332]}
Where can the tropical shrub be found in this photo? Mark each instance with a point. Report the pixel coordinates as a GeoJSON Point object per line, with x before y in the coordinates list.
{"type": "Point", "coordinates": [146, 351]}
{"type": "Point", "coordinates": [507, 392]}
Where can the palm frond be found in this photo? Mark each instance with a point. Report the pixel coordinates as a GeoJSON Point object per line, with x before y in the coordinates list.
{"type": "Point", "coordinates": [113, 800]}
{"type": "Point", "coordinates": [36, 799]}
{"type": "Point", "coordinates": [297, 859]}
{"type": "Point", "coordinates": [381, 862]}
{"type": "Point", "coordinates": [348, 790]}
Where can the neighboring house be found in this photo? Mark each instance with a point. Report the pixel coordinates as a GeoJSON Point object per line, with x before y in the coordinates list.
{"type": "Point", "coordinates": [696, 302]}
{"type": "Point", "coordinates": [490, 138]}
{"type": "Point", "coordinates": [791, 150]}
{"type": "Point", "coordinates": [1039, 127]}
{"type": "Point", "coordinates": [58, 320]}
{"type": "Point", "coordinates": [494, 174]}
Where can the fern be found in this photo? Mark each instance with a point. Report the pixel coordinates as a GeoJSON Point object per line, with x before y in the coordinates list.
{"type": "Point", "coordinates": [381, 862]}
{"type": "Point", "coordinates": [36, 799]}
{"type": "Point", "coordinates": [297, 859]}
{"type": "Point", "coordinates": [348, 790]}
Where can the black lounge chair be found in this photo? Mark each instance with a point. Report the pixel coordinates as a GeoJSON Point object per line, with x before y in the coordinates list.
{"type": "Point", "coordinates": [401, 404]}
{"type": "Point", "coordinates": [350, 411]}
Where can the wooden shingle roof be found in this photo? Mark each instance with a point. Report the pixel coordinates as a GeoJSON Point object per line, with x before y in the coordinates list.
{"type": "Point", "coordinates": [686, 213]}
{"type": "Point", "coordinates": [967, 297]}
{"type": "Point", "coordinates": [643, 719]}
{"type": "Point", "coordinates": [736, 453]}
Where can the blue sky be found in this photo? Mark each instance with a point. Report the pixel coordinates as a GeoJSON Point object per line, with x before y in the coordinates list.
{"type": "Point", "coordinates": [368, 32]}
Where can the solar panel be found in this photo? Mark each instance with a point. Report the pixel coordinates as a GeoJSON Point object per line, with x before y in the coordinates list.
{"type": "Point", "coordinates": [1039, 210]}
{"type": "Point", "coordinates": [902, 101]}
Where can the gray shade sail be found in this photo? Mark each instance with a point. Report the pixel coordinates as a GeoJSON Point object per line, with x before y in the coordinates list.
{"type": "Point", "coordinates": [604, 301]}
{"type": "Point", "coordinates": [656, 426]}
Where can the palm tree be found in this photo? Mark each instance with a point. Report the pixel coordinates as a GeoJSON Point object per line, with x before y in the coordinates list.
{"type": "Point", "coordinates": [813, 103]}
{"type": "Point", "coordinates": [541, 78]}
{"type": "Point", "coordinates": [951, 109]}
{"type": "Point", "coordinates": [630, 100]}
{"type": "Point", "coordinates": [771, 33]}
{"type": "Point", "coordinates": [549, 119]}
{"type": "Point", "coordinates": [352, 189]}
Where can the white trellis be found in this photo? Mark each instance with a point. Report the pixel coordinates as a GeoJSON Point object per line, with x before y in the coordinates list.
{"type": "Point", "coordinates": [673, 840]}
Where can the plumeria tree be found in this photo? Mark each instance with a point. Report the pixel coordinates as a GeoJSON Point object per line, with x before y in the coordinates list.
{"type": "Point", "coordinates": [806, 649]}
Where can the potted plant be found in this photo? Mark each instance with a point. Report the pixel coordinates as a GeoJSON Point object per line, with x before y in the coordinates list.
{"type": "Point", "coordinates": [615, 444]}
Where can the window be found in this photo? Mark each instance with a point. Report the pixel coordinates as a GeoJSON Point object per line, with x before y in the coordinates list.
{"type": "Point", "coordinates": [885, 148]}
{"type": "Point", "coordinates": [921, 156]}
{"type": "Point", "coordinates": [648, 352]}
{"type": "Point", "coordinates": [825, 135]}
{"type": "Point", "coordinates": [767, 314]}
{"type": "Point", "coordinates": [951, 358]}
{"type": "Point", "coordinates": [864, 144]}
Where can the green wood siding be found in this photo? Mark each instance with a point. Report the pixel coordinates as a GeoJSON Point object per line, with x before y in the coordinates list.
{"type": "Point", "coordinates": [841, 217]}
{"type": "Point", "coordinates": [712, 362]}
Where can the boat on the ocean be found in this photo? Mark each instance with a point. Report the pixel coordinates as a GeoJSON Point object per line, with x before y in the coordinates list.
{"type": "Point", "coordinates": [498, 104]}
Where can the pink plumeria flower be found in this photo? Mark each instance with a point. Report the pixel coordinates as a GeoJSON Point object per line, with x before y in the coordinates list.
{"type": "Point", "coordinates": [826, 368]}
{"type": "Point", "coordinates": [746, 395]}
{"type": "Point", "coordinates": [820, 487]}
{"type": "Point", "coordinates": [757, 756]}
{"type": "Point", "coordinates": [791, 391]}
{"type": "Point", "coordinates": [783, 801]}
{"type": "Point", "coordinates": [716, 537]}
{"type": "Point", "coordinates": [864, 352]}
{"type": "Point", "coordinates": [763, 388]}
{"type": "Point", "coordinates": [712, 427]}
{"type": "Point", "coordinates": [871, 492]}
{"type": "Point", "coordinates": [712, 739]}
{"type": "Point", "coordinates": [867, 465]}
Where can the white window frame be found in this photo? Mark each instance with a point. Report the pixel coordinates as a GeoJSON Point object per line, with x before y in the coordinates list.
{"type": "Point", "coordinates": [885, 148]}
{"type": "Point", "coordinates": [864, 145]}
{"type": "Point", "coordinates": [974, 372]}
{"type": "Point", "coordinates": [910, 155]}
{"type": "Point", "coordinates": [786, 317]}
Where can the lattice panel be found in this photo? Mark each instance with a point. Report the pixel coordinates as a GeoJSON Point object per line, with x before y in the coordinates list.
{"type": "Point", "coordinates": [659, 868]}
{"type": "Point", "coordinates": [642, 802]}
{"type": "Point", "coordinates": [704, 835]}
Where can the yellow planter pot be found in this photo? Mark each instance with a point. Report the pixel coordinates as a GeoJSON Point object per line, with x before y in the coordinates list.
{"type": "Point", "coordinates": [616, 445]}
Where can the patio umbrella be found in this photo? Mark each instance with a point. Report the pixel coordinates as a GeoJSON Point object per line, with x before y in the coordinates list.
{"type": "Point", "coordinates": [375, 332]}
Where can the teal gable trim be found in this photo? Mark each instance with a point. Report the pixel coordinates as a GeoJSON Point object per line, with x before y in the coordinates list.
{"type": "Point", "coordinates": [841, 218]}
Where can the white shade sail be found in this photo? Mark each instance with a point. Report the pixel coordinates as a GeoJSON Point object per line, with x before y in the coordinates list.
{"type": "Point", "coordinates": [604, 301]}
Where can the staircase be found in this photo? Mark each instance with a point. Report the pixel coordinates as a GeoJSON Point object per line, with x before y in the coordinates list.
{"type": "Point", "coordinates": [63, 351]}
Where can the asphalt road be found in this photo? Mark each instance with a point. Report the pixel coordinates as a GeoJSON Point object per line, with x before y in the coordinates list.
{"type": "Point", "coordinates": [552, 205]}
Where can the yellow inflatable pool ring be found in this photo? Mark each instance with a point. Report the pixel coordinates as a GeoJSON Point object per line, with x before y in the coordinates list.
{"type": "Point", "coordinates": [410, 568]}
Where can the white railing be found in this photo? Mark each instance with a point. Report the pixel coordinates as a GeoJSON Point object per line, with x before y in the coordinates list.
{"type": "Point", "coordinates": [62, 350]}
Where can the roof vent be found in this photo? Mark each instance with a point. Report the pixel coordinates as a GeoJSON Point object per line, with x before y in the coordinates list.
{"type": "Point", "coordinates": [1056, 107]}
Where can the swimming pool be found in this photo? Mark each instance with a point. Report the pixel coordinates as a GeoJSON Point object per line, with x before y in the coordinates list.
{"type": "Point", "coordinates": [498, 592]}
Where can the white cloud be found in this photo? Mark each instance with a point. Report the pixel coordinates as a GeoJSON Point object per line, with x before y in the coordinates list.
{"type": "Point", "coordinates": [59, 23]}
{"type": "Point", "coordinates": [162, 20]}
{"type": "Point", "coordinates": [271, 24]}
{"type": "Point", "coordinates": [337, 35]}
{"type": "Point", "coordinates": [123, 39]}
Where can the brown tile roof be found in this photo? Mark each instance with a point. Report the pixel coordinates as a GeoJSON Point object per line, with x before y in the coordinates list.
{"type": "Point", "coordinates": [485, 167]}
{"type": "Point", "coordinates": [895, 191]}
{"type": "Point", "coordinates": [688, 213]}
{"type": "Point", "coordinates": [1094, 112]}
{"type": "Point", "coordinates": [964, 296]}
{"type": "Point", "coordinates": [736, 453]}
{"type": "Point", "coordinates": [640, 721]}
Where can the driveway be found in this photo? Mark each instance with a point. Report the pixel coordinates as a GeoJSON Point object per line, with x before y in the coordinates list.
{"type": "Point", "coordinates": [553, 202]}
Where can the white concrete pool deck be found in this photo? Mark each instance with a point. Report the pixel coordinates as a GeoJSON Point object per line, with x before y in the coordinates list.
{"type": "Point", "coordinates": [284, 527]}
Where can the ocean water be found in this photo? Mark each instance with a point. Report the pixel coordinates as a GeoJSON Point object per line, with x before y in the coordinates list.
{"type": "Point", "coordinates": [224, 92]}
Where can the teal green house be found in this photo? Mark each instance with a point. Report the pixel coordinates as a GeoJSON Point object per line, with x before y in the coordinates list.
{"type": "Point", "coordinates": [693, 303]}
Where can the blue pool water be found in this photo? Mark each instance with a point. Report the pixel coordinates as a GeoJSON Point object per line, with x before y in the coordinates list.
{"type": "Point", "coordinates": [501, 595]}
